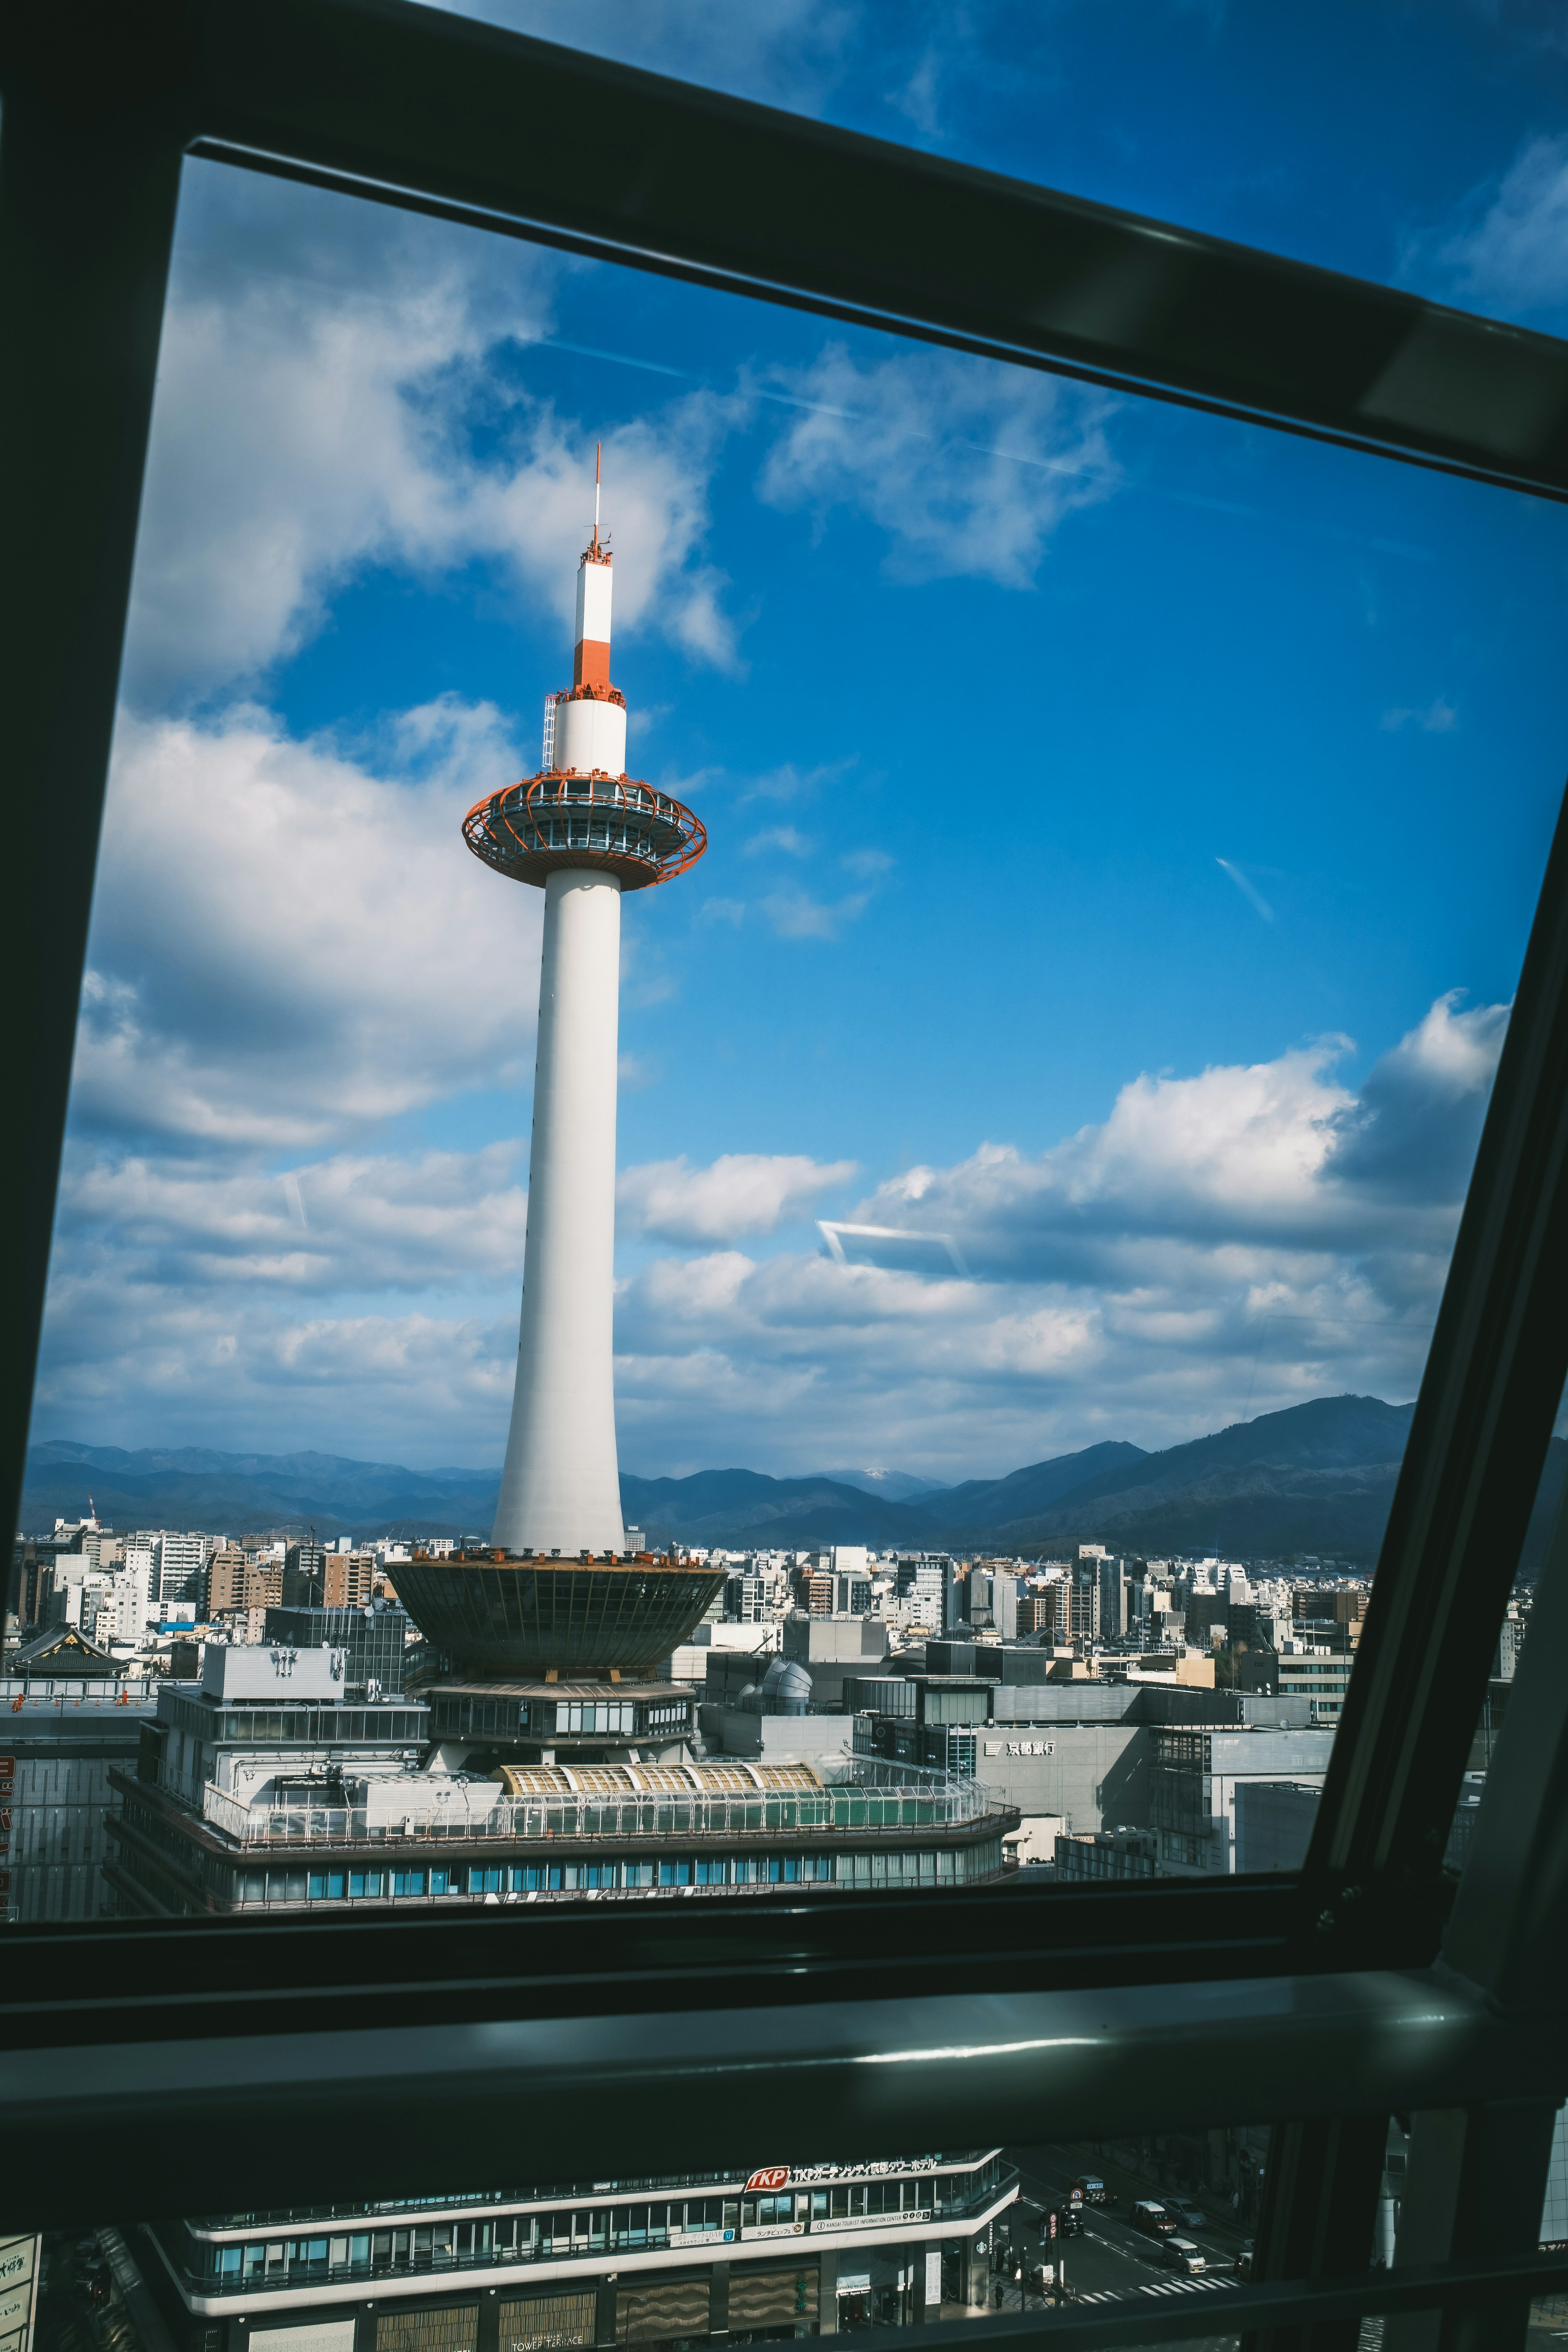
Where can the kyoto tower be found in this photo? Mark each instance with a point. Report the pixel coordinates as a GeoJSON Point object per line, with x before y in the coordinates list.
{"type": "Point", "coordinates": [582, 831]}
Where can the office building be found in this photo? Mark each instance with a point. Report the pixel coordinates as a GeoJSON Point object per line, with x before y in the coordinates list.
{"type": "Point", "coordinates": [373, 1639]}
{"type": "Point", "coordinates": [731, 2257]}
{"type": "Point", "coordinates": [1194, 1776]}
{"type": "Point", "coordinates": [66, 1728]}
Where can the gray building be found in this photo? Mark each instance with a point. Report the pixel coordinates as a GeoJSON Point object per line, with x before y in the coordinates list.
{"type": "Point", "coordinates": [372, 1639]}
{"type": "Point", "coordinates": [1195, 1773]}
{"type": "Point", "coordinates": [1274, 1822]}
{"type": "Point", "coordinates": [62, 1737]}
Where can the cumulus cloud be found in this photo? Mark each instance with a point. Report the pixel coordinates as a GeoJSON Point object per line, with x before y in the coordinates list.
{"type": "Point", "coordinates": [1228, 1242]}
{"type": "Point", "coordinates": [745, 1192]}
{"type": "Point", "coordinates": [319, 387]}
{"type": "Point", "coordinates": [1232, 1242]}
{"type": "Point", "coordinates": [348, 1223]}
{"type": "Point", "coordinates": [1514, 256]}
{"type": "Point", "coordinates": [289, 942]}
{"type": "Point", "coordinates": [968, 465]}
{"type": "Point", "coordinates": [1271, 1155]}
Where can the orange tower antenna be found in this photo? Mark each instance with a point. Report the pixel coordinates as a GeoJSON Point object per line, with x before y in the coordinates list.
{"type": "Point", "coordinates": [598, 453]}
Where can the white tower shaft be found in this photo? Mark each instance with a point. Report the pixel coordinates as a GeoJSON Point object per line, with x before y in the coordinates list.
{"type": "Point", "coordinates": [561, 1487]}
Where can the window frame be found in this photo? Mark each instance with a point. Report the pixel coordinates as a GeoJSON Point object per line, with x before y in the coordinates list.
{"type": "Point", "coordinates": [419, 109]}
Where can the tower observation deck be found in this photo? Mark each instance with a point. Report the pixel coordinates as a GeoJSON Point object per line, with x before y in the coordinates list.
{"type": "Point", "coordinates": [583, 832]}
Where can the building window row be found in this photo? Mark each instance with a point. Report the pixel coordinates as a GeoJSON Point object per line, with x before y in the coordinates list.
{"type": "Point", "coordinates": [606, 2229]}
{"type": "Point", "coordinates": [329, 1884]}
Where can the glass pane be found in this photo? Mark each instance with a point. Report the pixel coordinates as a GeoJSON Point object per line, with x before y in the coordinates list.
{"type": "Point", "coordinates": [1145, 2222]}
{"type": "Point", "coordinates": [1034, 1135]}
{"type": "Point", "coordinates": [1542, 1561]}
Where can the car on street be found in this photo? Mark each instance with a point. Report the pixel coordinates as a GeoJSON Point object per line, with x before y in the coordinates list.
{"type": "Point", "coordinates": [1091, 2187]}
{"type": "Point", "coordinates": [1152, 2218]}
{"type": "Point", "coordinates": [1191, 2217]}
{"type": "Point", "coordinates": [1181, 2254]}
{"type": "Point", "coordinates": [1243, 2261]}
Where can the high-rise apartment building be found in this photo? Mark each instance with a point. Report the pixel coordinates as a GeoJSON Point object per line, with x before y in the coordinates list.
{"type": "Point", "coordinates": [179, 1567]}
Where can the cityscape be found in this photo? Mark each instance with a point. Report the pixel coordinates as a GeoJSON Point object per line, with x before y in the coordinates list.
{"type": "Point", "coordinates": [208, 1724]}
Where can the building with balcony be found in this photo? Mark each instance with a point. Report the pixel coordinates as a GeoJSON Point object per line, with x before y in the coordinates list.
{"type": "Point", "coordinates": [273, 1788]}
{"type": "Point", "coordinates": [720, 2257]}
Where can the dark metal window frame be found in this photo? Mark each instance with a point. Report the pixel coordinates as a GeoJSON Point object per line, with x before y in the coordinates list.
{"type": "Point", "coordinates": [858, 2022]}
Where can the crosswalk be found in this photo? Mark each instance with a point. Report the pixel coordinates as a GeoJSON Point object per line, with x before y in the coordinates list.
{"type": "Point", "coordinates": [1162, 2286]}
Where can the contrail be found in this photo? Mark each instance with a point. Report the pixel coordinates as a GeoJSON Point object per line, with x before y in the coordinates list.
{"type": "Point", "coordinates": [1247, 890]}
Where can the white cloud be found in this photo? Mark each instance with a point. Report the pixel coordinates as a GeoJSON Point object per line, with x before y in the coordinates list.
{"type": "Point", "coordinates": [349, 1222]}
{"type": "Point", "coordinates": [742, 1194]}
{"type": "Point", "coordinates": [780, 837]}
{"type": "Point", "coordinates": [1515, 257]}
{"type": "Point", "coordinates": [796, 915]}
{"type": "Point", "coordinates": [789, 783]}
{"type": "Point", "coordinates": [286, 943]}
{"type": "Point", "coordinates": [1226, 1243]}
{"type": "Point", "coordinates": [967, 465]}
{"type": "Point", "coordinates": [1438, 718]}
{"type": "Point", "coordinates": [1222, 1243]}
{"type": "Point", "coordinates": [319, 382]}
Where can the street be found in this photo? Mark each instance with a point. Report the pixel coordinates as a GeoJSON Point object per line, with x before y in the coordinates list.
{"type": "Point", "coordinates": [1111, 2261]}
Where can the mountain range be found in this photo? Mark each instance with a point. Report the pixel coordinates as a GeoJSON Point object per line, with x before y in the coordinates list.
{"type": "Point", "coordinates": [1318, 1477]}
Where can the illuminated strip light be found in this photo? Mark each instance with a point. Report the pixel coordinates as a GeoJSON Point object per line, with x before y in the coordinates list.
{"type": "Point", "coordinates": [832, 1233]}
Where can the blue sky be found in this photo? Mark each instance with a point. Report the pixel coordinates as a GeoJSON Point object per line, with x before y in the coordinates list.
{"type": "Point", "coordinates": [1124, 825]}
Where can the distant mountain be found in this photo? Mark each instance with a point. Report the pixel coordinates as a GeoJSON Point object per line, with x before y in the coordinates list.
{"type": "Point", "coordinates": [741, 1508]}
{"type": "Point", "coordinates": [892, 1485]}
{"type": "Point", "coordinates": [1318, 1478]}
{"type": "Point", "coordinates": [238, 1494]}
{"type": "Point", "coordinates": [998, 1502]}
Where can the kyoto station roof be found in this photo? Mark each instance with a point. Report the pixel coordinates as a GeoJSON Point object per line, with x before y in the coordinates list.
{"type": "Point", "coordinates": [652, 1779]}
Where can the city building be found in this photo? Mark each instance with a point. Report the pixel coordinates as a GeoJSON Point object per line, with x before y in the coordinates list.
{"type": "Point", "coordinates": [688, 2257]}
{"type": "Point", "coordinates": [373, 1636]}
{"type": "Point", "coordinates": [66, 1729]}
{"type": "Point", "coordinates": [1320, 1676]}
{"type": "Point", "coordinates": [1274, 1822]}
{"type": "Point", "coordinates": [271, 1788]}
{"type": "Point", "coordinates": [1088, 1857]}
{"type": "Point", "coordinates": [582, 831]}
{"type": "Point", "coordinates": [179, 1567]}
{"type": "Point", "coordinates": [1194, 1776]}
{"type": "Point", "coordinates": [933, 1721]}
{"type": "Point", "coordinates": [348, 1579]}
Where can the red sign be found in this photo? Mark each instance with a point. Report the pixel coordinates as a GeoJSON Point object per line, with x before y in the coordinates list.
{"type": "Point", "coordinates": [1052, 2225]}
{"type": "Point", "coordinates": [772, 2176]}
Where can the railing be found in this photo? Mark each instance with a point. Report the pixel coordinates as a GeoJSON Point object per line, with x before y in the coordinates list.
{"type": "Point", "coordinates": [576, 2193]}
{"type": "Point", "coordinates": [532, 1819]}
{"type": "Point", "coordinates": [440, 2261]}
